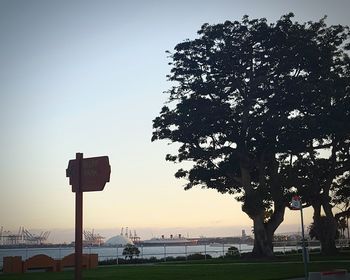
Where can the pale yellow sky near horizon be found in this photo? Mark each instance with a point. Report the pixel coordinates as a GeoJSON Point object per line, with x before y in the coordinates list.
{"type": "Point", "coordinates": [88, 76]}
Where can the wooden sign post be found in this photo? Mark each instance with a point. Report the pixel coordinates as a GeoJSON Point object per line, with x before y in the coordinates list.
{"type": "Point", "coordinates": [89, 174]}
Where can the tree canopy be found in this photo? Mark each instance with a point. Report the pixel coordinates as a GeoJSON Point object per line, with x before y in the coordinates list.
{"type": "Point", "coordinates": [130, 251]}
{"type": "Point", "coordinates": [246, 97]}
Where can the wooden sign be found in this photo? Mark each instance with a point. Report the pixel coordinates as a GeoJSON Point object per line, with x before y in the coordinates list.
{"type": "Point", "coordinates": [95, 173]}
{"type": "Point", "coordinates": [85, 175]}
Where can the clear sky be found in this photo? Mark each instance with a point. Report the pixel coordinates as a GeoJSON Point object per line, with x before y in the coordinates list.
{"type": "Point", "coordinates": [88, 76]}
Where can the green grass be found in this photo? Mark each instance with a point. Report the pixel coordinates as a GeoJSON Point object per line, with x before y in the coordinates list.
{"type": "Point", "coordinates": [200, 271]}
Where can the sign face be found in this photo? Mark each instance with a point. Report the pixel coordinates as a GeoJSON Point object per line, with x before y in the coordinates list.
{"type": "Point", "coordinates": [94, 172]}
{"type": "Point", "coordinates": [296, 203]}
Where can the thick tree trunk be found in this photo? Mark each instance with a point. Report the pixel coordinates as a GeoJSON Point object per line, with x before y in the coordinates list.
{"type": "Point", "coordinates": [264, 232]}
{"type": "Point", "coordinates": [263, 247]}
{"type": "Point", "coordinates": [327, 238]}
{"type": "Point", "coordinates": [328, 244]}
{"type": "Point", "coordinates": [326, 228]}
{"type": "Point", "coordinates": [254, 207]}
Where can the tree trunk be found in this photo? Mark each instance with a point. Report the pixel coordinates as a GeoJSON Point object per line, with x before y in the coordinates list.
{"type": "Point", "coordinates": [263, 247]}
{"type": "Point", "coordinates": [254, 207]}
{"type": "Point", "coordinates": [264, 232]}
{"type": "Point", "coordinates": [328, 244]}
{"type": "Point", "coordinates": [326, 228]}
{"type": "Point", "coordinates": [327, 238]}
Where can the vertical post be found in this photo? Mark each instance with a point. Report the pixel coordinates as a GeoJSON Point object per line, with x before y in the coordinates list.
{"type": "Point", "coordinates": [164, 253]}
{"type": "Point", "coordinates": [296, 247]}
{"type": "Point", "coordinates": [78, 220]}
{"type": "Point", "coordinates": [303, 243]}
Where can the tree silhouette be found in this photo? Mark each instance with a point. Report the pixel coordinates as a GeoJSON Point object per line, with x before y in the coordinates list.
{"type": "Point", "coordinates": [246, 97]}
{"type": "Point", "coordinates": [130, 251]}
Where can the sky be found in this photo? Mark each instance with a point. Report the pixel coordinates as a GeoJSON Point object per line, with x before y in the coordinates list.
{"type": "Point", "coordinates": [89, 76]}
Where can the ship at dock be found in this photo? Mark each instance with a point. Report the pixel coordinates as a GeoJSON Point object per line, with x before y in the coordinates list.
{"type": "Point", "coordinates": [172, 240]}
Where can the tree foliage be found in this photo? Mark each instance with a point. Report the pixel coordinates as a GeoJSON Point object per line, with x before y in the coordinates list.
{"type": "Point", "coordinates": [247, 96]}
{"type": "Point", "coordinates": [131, 251]}
{"type": "Point", "coordinates": [232, 252]}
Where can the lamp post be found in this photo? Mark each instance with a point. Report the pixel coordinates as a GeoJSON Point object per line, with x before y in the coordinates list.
{"type": "Point", "coordinates": [297, 205]}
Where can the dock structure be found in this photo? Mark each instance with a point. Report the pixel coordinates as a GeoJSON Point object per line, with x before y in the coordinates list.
{"type": "Point", "coordinates": [92, 239]}
{"type": "Point", "coordinates": [22, 237]}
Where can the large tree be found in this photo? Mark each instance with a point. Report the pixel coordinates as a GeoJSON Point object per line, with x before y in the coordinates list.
{"type": "Point", "coordinates": [320, 168]}
{"type": "Point", "coordinates": [239, 92]}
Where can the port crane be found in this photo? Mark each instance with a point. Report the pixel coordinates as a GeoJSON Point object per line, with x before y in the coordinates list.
{"type": "Point", "coordinates": [22, 237]}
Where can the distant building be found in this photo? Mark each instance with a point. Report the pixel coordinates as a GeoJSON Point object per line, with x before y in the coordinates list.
{"type": "Point", "coordinates": [119, 240]}
{"type": "Point", "coordinates": [122, 239]}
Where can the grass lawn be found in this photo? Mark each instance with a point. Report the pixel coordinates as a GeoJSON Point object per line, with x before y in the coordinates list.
{"type": "Point", "coordinates": [192, 271]}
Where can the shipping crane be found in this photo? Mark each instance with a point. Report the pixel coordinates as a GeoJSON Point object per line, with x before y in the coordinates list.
{"type": "Point", "coordinates": [22, 237]}
{"type": "Point", "coordinates": [92, 239]}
